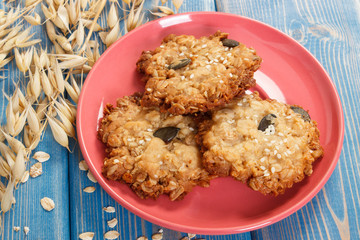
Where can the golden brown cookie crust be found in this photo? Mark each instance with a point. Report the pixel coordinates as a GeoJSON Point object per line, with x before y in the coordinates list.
{"type": "Point", "coordinates": [268, 161]}
{"type": "Point", "coordinates": [146, 163]}
{"type": "Point", "coordinates": [215, 75]}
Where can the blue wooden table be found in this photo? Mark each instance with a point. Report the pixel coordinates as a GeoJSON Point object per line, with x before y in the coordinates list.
{"type": "Point", "coordinates": [328, 29]}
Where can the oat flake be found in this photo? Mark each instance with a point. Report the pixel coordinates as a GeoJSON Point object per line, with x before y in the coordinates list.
{"type": "Point", "coordinates": [111, 235]}
{"type": "Point", "coordinates": [16, 229]}
{"type": "Point", "coordinates": [86, 235]}
{"type": "Point", "coordinates": [25, 177]}
{"type": "Point", "coordinates": [157, 236]}
{"type": "Point", "coordinates": [36, 170]}
{"type": "Point", "coordinates": [41, 156]}
{"type": "Point", "coordinates": [91, 177]}
{"type": "Point", "coordinates": [112, 223]}
{"type": "Point", "coordinates": [47, 203]}
{"type": "Point", "coordinates": [142, 238]}
{"type": "Point", "coordinates": [83, 166]}
{"type": "Point", "coordinates": [89, 189]}
{"type": "Point", "coordinates": [109, 209]}
{"type": "Point", "coordinates": [26, 230]}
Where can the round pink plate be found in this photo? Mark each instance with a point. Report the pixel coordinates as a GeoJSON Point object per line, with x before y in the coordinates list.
{"type": "Point", "coordinates": [288, 73]}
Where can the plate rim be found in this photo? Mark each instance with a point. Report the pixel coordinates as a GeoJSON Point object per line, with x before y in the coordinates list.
{"type": "Point", "coordinates": [222, 230]}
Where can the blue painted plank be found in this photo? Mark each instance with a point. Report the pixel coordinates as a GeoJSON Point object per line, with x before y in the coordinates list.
{"type": "Point", "coordinates": [329, 31]}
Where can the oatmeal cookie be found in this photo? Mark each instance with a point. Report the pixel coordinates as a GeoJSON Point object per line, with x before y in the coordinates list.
{"type": "Point", "coordinates": [155, 153]}
{"type": "Point", "coordinates": [264, 143]}
{"type": "Point", "coordinates": [187, 75]}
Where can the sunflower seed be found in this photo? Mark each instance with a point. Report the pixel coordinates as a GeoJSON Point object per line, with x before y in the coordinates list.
{"type": "Point", "coordinates": [47, 203]}
{"type": "Point", "coordinates": [177, 64]}
{"type": "Point", "coordinates": [230, 43]}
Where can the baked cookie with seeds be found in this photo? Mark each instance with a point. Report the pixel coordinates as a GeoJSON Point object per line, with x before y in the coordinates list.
{"type": "Point", "coordinates": [187, 75]}
{"type": "Point", "coordinates": [267, 144]}
{"type": "Point", "coordinates": [154, 153]}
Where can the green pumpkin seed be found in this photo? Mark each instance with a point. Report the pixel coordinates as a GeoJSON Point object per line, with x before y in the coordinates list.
{"type": "Point", "coordinates": [230, 43]}
{"type": "Point", "coordinates": [266, 122]}
{"type": "Point", "coordinates": [177, 64]}
{"type": "Point", "coordinates": [304, 114]}
{"type": "Point", "coordinates": [166, 133]}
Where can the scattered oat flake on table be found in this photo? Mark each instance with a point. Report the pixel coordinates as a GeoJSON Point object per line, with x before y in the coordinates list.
{"type": "Point", "coordinates": [157, 236]}
{"type": "Point", "coordinates": [47, 203]}
{"type": "Point", "coordinates": [89, 189]}
{"type": "Point", "coordinates": [111, 235]}
{"type": "Point", "coordinates": [16, 229]}
{"type": "Point", "coordinates": [86, 235]}
{"type": "Point", "coordinates": [109, 209]}
{"type": "Point", "coordinates": [91, 177]}
{"type": "Point", "coordinates": [41, 156]}
{"type": "Point", "coordinates": [83, 166]}
{"type": "Point", "coordinates": [112, 223]}
{"type": "Point", "coordinates": [26, 230]}
{"type": "Point", "coordinates": [36, 170]}
{"type": "Point", "coordinates": [142, 238]}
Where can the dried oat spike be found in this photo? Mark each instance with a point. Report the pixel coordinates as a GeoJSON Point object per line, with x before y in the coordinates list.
{"type": "Point", "coordinates": [67, 126]}
{"type": "Point", "coordinates": [15, 144]}
{"type": "Point", "coordinates": [8, 196]}
{"type": "Point", "coordinates": [35, 83]}
{"type": "Point", "coordinates": [59, 77]}
{"type": "Point", "coordinates": [80, 34]}
{"type": "Point", "coordinates": [10, 117]}
{"type": "Point", "coordinates": [113, 17]}
{"type": "Point", "coordinates": [44, 59]}
{"type": "Point", "coordinates": [46, 85]}
{"type": "Point", "coordinates": [71, 61]}
{"type": "Point", "coordinates": [166, 10]}
{"type": "Point", "coordinates": [4, 168]}
{"type": "Point", "coordinates": [29, 3]}
{"type": "Point", "coordinates": [8, 154]}
{"type": "Point", "coordinates": [23, 60]}
{"type": "Point", "coordinates": [88, 23]}
{"type": "Point", "coordinates": [64, 17]}
{"type": "Point", "coordinates": [64, 43]}
{"type": "Point", "coordinates": [41, 108]}
{"type": "Point", "coordinates": [19, 167]}
{"type": "Point", "coordinates": [33, 20]}
{"type": "Point", "coordinates": [73, 10]}
{"type": "Point", "coordinates": [177, 4]}
{"type": "Point", "coordinates": [50, 30]}
{"type": "Point", "coordinates": [33, 120]}
{"type": "Point", "coordinates": [20, 123]}
{"type": "Point", "coordinates": [59, 134]}
{"type": "Point", "coordinates": [72, 92]}
{"type": "Point", "coordinates": [113, 35]}
{"type": "Point", "coordinates": [135, 18]}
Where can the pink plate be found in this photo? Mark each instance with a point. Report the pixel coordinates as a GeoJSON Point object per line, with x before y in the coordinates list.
{"type": "Point", "coordinates": [288, 73]}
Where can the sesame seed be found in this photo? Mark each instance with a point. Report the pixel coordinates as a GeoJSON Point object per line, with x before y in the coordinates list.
{"type": "Point", "coordinates": [216, 60]}
{"type": "Point", "coordinates": [262, 168]}
{"type": "Point", "coordinates": [222, 59]}
{"type": "Point", "coordinates": [211, 61]}
{"type": "Point", "coordinates": [267, 150]}
{"type": "Point", "coordinates": [204, 46]}
{"type": "Point", "coordinates": [229, 54]}
{"type": "Point", "coordinates": [266, 174]}
{"type": "Point", "coordinates": [231, 121]}
{"type": "Point", "coordinates": [225, 61]}
{"type": "Point", "coordinates": [230, 75]}
{"type": "Point", "coordinates": [221, 81]}
{"type": "Point", "coordinates": [181, 54]}
{"type": "Point", "coordinates": [262, 159]}
{"type": "Point", "coordinates": [148, 89]}
{"type": "Point", "coordinates": [288, 151]}
{"type": "Point", "coordinates": [129, 139]}
{"type": "Point", "coordinates": [265, 139]}
{"type": "Point", "coordinates": [182, 77]}
{"type": "Point", "coordinates": [285, 140]}
{"type": "Point", "coordinates": [161, 162]}
{"type": "Point", "coordinates": [255, 116]}
{"type": "Point", "coordinates": [149, 130]}
{"type": "Point", "coordinates": [280, 134]}
{"type": "Point", "coordinates": [239, 104]}
{"type": "Point", "coordinates": [190, 55]}
{"type": "Point", "coordinates": [191, 129]}
{"type": "Point", "coordinates": [285, 153]}
{"type": "Point", "coordinates": [148, 139]}
{"type": "Point", "coordinates": [273, 141]}
{"type": "Point", "coordinates": [272, 169]}
{"type": "Point", "coordinates": [208, 67]}
{"type": "Point", "coordinates": [116, 161]}
{"type": "Point", "coordinates": [256, 140]}
{"type": "Point", "coordinates": [246, 59]}
{"type": "Point", "coordinates": [226, 48]}
{"type": "Point", "coordinates": [192, 76]}
{"type": "Point", "coordinates": [288, 117]}
{"type": "Point", "coordinates": [206, 54]}
{"type": "Point", "coordinates": [244, 100]}
{"type": "Point", "coordinates": [275, 152]}
{"type": "Point", "coordinates": [141, 142]}
{"type": "Point", "coordinates": [161, 46]}
{"type": "Point", "coordinates": [311, 151]}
